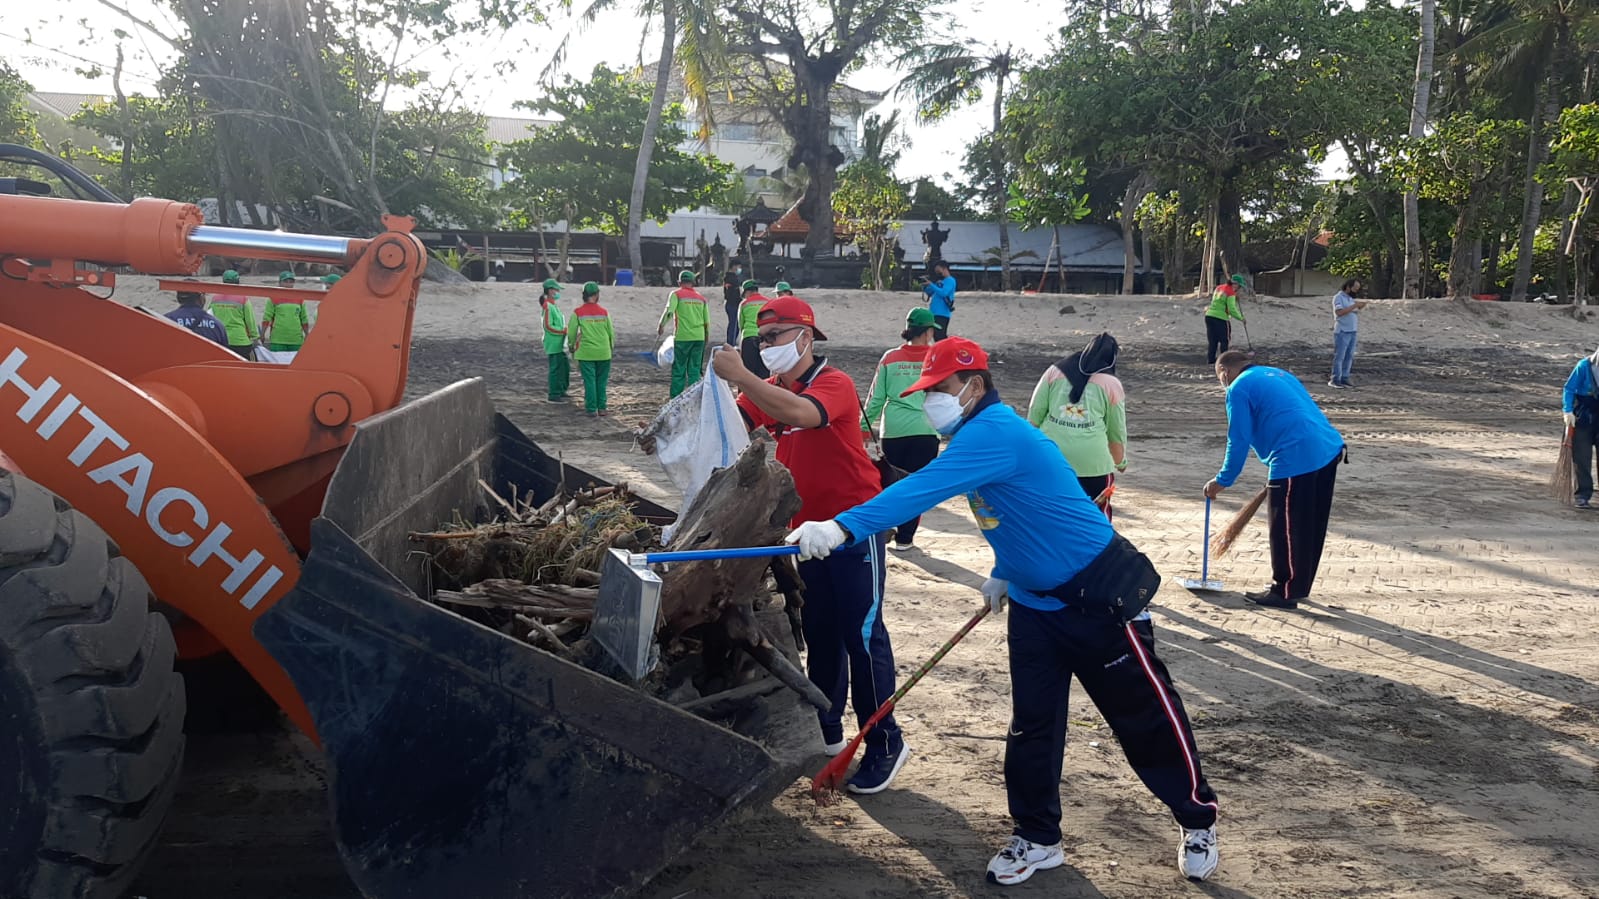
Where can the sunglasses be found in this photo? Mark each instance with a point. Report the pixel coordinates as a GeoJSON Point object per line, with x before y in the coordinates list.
{"type": "Point", "coordinates": [770, 338]}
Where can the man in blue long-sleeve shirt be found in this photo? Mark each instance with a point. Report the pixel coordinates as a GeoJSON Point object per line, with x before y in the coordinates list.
{"type": "Point", "coordinates": [1078, 592]}
{"type": "Point", "coordinates": [940, 293]}
{"type": "Point", "coordinates": [1269, 411]}
{"type": "Point", "coordinates": [1579, 406]}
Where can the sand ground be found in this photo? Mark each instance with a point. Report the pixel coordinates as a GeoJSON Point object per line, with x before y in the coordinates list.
{"type": "Point", "coordinates": [1426, 726]}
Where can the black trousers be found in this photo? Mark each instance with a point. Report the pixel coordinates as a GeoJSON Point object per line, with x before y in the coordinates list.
{"type": "Point", "coordinates": [1297, 509]}
{"type": "Point", "coordinates": [1583, 441]}
{"type": "Point", "coordinates": [1218, 333]}
{"type": "Point", "coordinates": [750, 351]}
{"type": "Point", "coordinates": [1095, 486]}
{"type": "Point", "coordinates": [1116, 664]}
{"type": "Point", "coordinates": [731, 307]}
{"type": "Point", "coordinates": [910, 454]}
{"type": "Point", "coordinates": [848, 655]}
{"type": "Point", "coordinates": [940, 327]}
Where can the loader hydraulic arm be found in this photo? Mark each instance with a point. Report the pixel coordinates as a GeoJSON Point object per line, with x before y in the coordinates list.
{"type": "Point", "coordinates": [277, 430]}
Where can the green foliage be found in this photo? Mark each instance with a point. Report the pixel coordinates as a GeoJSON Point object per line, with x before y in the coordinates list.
{"type": "Point", "coordinates": [169, 152]}
{"type": "Point", "coordinates": [581, 168]}
{"type": "Point", "coordinates": [1574, 153]}
{"type": "Point", "coordinates": [1461, 152]}
{"type": "Point", "coordinates": [454, 258]}
{"type": "Point", "coordinates": [869, 203]}
{"type": "Point", "coordinates": [18, 123]}
{"type": "Point", "coordinates": [929, 199]}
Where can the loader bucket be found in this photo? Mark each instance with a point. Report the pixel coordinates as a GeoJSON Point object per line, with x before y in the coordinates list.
{"type": "Point", "coordinates": [460, 761]}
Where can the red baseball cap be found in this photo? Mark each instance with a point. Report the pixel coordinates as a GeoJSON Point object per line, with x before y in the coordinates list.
{"type": "Point", "coordinates": [789, 310]}
{"type": "Point", "coordinates": [946, 358]}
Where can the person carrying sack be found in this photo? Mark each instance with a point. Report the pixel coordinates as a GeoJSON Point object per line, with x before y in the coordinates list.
{"type": "Point", "coordinates": [1077, 592]}
{"type": "Point", "coordinates": [909, 442]}
{"type": "Point", "coordinates": [686, 309]}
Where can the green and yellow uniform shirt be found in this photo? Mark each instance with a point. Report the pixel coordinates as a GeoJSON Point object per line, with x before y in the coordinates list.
{"type": "Point", "coordinates": [286, 322]}
{"type": "Point", "coordinates": [233, 311]}
{"type": "Point", "coordinates": [688, 308]}
{"type": "Point", "coordinates": [590, 334]}
{"type": "Point", "coordinates": [902, 415]}
{"type": "Point", "coordinates": [748, 312]}
{"type": "Point", "coordinates": [1224, 304]}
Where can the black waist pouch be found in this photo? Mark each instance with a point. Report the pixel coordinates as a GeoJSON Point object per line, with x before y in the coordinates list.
{"type": "Point", "coordinates": [1120, 579]}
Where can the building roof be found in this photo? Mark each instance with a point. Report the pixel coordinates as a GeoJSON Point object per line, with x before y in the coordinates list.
{"type": "Point", "coordinates": [504, 129]}
{"type": "Point", "coordinates": [64, 106]}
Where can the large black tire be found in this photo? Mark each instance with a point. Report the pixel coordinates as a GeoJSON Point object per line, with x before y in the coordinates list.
{"type": "Point", "coordinates": [91, 712]}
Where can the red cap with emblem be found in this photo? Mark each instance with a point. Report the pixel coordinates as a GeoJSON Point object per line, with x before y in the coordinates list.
{"type": "Point", "coordinates": [946, 358]}
{"type": "Point", "coordinates": [789, 310]}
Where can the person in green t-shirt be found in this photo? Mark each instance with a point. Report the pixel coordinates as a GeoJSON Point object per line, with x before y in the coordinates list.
{"type": "Point", "coordinates": [592, 339]}
{"type": "Point", "coordinates": [553, 324]}
{"type": "Point", "coordinates": [686, 309]}
{"type": "Point", "coordinates": [1219, 317]}
{"type": "Point", "coordinates": [286, 322]}
{"type": "Point", "coordinates": [749, 309]}
{"type": "Point", "coordinates": [233, 311]}
{"type": "Point", "coordinates": [909, 441]}
{"type": "Point", "coordinates": [1081, 405]}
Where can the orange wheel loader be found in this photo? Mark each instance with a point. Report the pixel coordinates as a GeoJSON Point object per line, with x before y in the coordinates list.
{"type": "Point", "coordinates": [146, 514]}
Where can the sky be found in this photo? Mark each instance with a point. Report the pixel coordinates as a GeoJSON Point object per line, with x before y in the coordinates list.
{"type": "Point", "coordinates": [60, 45]}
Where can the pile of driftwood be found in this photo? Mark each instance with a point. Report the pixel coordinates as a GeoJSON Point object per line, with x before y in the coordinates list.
{"type": "Point", "coordinates": [533, 574]}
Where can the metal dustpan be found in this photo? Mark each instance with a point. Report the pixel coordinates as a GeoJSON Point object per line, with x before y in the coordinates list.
{"type": "Point", "coordinates": [629, 604]}
{"type": "Point", "coordinates": [1204, 582]}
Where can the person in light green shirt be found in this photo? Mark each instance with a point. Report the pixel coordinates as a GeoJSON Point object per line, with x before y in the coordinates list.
{"type": "Point", "coordinates": [593, 339]}
{"type": "Point", "coordinates": [687, 310]}
{"type": "Point", "coordinates": [749, 313]}
{"type": "Point", "coordinates": [286, 323]}
{"type": "Point", "coordinates": [909, 441]}
{"type": "Point", "coordinates": [1219, 317]}
{"type": "Point", "coordinates": [1081, 405]}
{"type": "Point", "coordinates": [233, 311]}
{"type": "Point", "coordinates": [553, 325]}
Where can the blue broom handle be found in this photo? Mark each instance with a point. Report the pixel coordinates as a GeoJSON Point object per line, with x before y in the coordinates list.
{"type": "Point", "coordinates": [1204, 566]}
{"type": "Point", "coordinates": [740, 552]}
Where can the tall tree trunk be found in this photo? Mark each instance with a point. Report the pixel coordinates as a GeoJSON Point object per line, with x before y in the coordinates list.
{"type": "Point", "coordinates": [1418, 127]}
{"type": "Point", "coordinates": [1474, 285]}
{"type": "Point", "coordinates": [815, 148]}
{"type": "Point", "coordinates": [1001, 189]}
{"type": "Point", "coordinates": [1176, 265]}
{"type": "Point", "coordinates": [1463, 267]}
{"type": "Point", "coordinates": [125, 171]}
{"type": "Point", "coordinates": [1207, 264]}
{"type": "Point", "coordinates": [1546, 109]}
{"type": "Point", "coordinates": [1568, 206]}
{"type": "Point", "coordinates": [1230, 229]}
{"type": "Point", "coordinates": [1130, 199]}
{"type": "Point", "coordinates": [646, 146]}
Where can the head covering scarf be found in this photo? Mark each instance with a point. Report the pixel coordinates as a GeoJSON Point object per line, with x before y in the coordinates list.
{"type": "Point", "coordinates": [1098, 356]}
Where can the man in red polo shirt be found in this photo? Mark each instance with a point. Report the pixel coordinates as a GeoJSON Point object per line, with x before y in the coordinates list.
{"type": "Point", "coordinates": [813, 410]}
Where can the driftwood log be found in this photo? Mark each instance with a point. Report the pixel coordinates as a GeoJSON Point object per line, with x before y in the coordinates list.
{"type": "Point", "coordinates": [748, 504]}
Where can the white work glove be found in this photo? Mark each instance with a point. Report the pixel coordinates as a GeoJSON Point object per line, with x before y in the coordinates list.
{"type": "Point", "coordinates": [996, 592]}
{"type": "Point", "coordinates": [1571, 419]}
{"type": "Point", "coordinates": [816, 539]}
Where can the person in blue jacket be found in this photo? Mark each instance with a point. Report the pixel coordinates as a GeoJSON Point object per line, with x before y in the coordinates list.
{"type": "Point", "coordinates": [1579, 406]}
{"type": "Point", "coordinates": [1269, 411]}
{"type": "Point", "coordinates": [1077, 593]}
{"type": "Point", "coordinates": [940, 293]}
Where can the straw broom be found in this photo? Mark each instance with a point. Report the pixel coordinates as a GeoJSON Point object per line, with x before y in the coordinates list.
{"type": "Point", "coordinates": [1224, 538]}
{"type": "Point", "coordinates": [1563, 483]}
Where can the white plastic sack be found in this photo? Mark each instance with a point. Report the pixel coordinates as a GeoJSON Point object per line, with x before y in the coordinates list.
{"type": "Point", "coordinates": [698, 432]}
{"type": "Point", "coordinates": [664, 354]}
{"type": "Point", "coordinates": [278, 357]}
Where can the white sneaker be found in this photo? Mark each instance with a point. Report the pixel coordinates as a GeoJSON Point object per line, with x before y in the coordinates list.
{"type": "Point", "coordinates": [1198, 855]}
{"type": "Point", "coordinates": [899, 547]}
{"type": "Point", "coordinates": [833, 749]}
{"type": "Point", "coordinates": [1019, 859]}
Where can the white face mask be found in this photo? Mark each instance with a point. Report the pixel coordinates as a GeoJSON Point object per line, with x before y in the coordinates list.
{"type": "Point", "coordinates": [944, 410]}
{"type": "Point", "coordinates": [782, 358]}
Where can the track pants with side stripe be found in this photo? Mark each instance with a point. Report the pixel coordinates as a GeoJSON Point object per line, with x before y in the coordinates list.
{"type": "Point", "coordinates": [1297, 510]}
{"type": "Point", "coordinates": [848, 655]}
{"type": "Point", "coordinates": [1116, 664]}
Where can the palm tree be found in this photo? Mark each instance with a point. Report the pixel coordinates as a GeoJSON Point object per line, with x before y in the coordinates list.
{"type": "Point", "coordinates": [943, 77]}
{"type": "Point", "coordinates": [691, 38]}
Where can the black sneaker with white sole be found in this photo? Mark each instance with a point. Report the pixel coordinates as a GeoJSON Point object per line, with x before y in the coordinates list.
{"type": "Point", "coordinates": [878, 767]}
